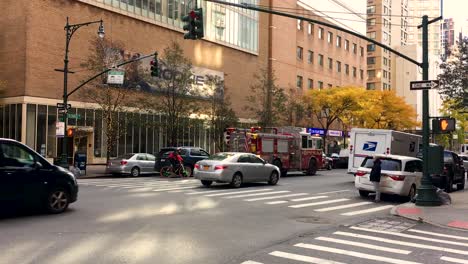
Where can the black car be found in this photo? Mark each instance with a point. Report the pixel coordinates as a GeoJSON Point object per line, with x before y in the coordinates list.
{"type": "Point", "coordinates": [27, 179]}
{"type": "Point", "coordinates": [190, 155]}
{"type": "Point", "coordinates": [453, 173]}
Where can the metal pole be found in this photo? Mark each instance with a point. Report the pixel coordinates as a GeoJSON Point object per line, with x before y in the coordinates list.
{"type": "Point", "coordinates": [426, 192]}
{"type": "Point", "coordinates": [64, 157]}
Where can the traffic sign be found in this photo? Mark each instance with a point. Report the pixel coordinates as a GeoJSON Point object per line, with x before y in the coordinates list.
{"type": "Point", "coordinates": [62, 106]}
{"type": "Point", "coordinates": [424, 85]}
{"type": "Point", "coordinates": [62, 111]}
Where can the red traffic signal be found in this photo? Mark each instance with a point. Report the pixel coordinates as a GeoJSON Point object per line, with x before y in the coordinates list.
{"type": "Point", "coordinates": [443, 125]}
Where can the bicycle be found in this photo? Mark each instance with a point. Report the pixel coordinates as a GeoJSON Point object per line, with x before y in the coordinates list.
{"type": "Point", "coordinates": [169, 171]}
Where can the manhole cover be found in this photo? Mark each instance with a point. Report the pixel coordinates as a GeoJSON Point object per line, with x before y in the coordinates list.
{"type": "Point", "coordinates": [312, 220]}
{"type": "Point", "coordinates": [391, 225]}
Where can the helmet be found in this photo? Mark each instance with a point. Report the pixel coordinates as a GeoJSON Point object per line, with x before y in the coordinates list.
{"type": "Point", "coordinates": [178, 149]}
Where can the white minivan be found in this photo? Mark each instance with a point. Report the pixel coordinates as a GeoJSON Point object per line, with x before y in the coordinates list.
{"type": "Point", "coordinates": [401, 175]}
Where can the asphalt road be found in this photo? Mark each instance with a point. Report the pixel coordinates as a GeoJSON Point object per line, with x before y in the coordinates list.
{"type": "Point", "coordinates": [153, 220]}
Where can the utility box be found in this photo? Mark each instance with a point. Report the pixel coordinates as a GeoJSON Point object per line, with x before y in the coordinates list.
{"type": "Point", "coordinates": [80, 161]}
{"type": "Point", "coordinates": [436, 159]}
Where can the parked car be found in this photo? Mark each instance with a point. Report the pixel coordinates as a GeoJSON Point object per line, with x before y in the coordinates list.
{"type": "Point", "coordinates": [190, 155]}
{"type": "Point", "coordinates": [453, 173]}
{"type": "Point", "coordinates": [27, 179]}
{"type": "Point", "coordinates": [401, 175]}
{"type": "Point", "coordinates": [133, 164]}
{"type": "Point", "coordinates": [327, 162]}
{"type": "Point", "coordinates": [235, 168]}
{"type": "Point", "coordinates": [465, 161]}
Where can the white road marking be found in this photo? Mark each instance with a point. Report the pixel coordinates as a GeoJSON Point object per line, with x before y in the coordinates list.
{"type": "Point", "coordinates": [364, 245]}
{"type": "Point", "coordinates": [277, 202]}
{"type": "Point", "coordinates": [355, 254]}
{"type": "Point", "coordinates": [318, 203]}
{"type": "Point", "coordinates": [334, 192]}
{"type": "Point", "coordinates": [171, 189]}
{"type": "Point", "coordinates": [255, 194]}
{"type": "Point", "coordinates": [402, 243]}
{"type": "Point", "coordinates": [309, 198]}
{"type": "Point", "coordinates": [436, 234]}
{"type": "Point", "coordinates": [454, 260]}
{"type": "Point", "coordinates": [251, 262]}
{"type": "Point", "coordinates": [341, 207]}
{"type": "Point", "coordinates": [380, 208]}
{"type": "Point", "coordinates": [204, 192]}
{"type": "Point", "coordinates": [275, 197]}
{"type": "Point", "coordinates": [236, 192]}
{"type": "Point", "coordinates": [411, 236]}
{"type": "Point", "coordinates": [303, 258]}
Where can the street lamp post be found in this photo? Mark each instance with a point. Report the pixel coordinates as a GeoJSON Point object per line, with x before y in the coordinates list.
{"type": "Point", "coordinates": [70, 29]}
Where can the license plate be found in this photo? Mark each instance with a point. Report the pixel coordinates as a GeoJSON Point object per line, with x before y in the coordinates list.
{"type": "Point", "coordinates": [163, 160]}
{"type": "Point", "coordinates": [206, 167]}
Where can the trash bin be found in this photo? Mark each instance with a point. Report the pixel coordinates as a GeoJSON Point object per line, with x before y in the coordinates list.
{"type": "Point", "coordinates": [80, 162]}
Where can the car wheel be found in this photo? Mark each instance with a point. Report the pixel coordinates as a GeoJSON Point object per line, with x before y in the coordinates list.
{"type": "Point", "coordinates": [57, 200]}
{"type": "Point", "coordinates": [461, 185]}
{"type": "Point", "coordinates": [412, 193]}
{"type": "Point", "coordinates": [330, 166]}
{"type": "Point", "coordinates": [448, 184]}
{"type": "Point", "coordinates": [135, 172]}
{"type": "Point", "coordinates": [312, 167]}
{"type": "Point", "coordinates": [236, 181]}
{"type": "Point", "coordinates": [278, 164]}
{"type": "Point", "coordinates": [188, 171]}
{"type": "Point", "coordinates": [363, 193]}
{"type": "Point", "coordinates": [206, 183]}
{"type": "Point", "coordinates": [274, 178]}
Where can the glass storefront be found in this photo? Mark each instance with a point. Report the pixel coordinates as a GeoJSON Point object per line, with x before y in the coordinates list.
{"type": "Point", "coordinates": [10, 121]}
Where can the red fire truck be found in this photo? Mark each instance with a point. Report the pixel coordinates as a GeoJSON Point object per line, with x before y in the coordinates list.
{"type": "Point", "coordinates": [289, 148]}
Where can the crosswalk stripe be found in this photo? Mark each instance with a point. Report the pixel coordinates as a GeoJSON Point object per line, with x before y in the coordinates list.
{"type": "Point", "coordinates": [318, 203]}
{"type": "Point", "coordinates": [251, 262]}
{"type": "Point", "coordinates": [255, 194]}
{"type": "Point", "coordinates": [303, 258]}
{"type": "Point", "coordinates": [277, 202]}
{"type": "Point", "coordinates": [436, 234]}
{"type": "Point", "coordinates": [347, 190]}
{"type": "Point", "coordinates": [236, 192]}
{"type": "Point", "coordinates": [204, 192]}
{"type": "Point", "coordinates": [380, 208]}
{"type": "Point", "coordinates": [355, 254]}
{"type": "Point", "coordinates": [454, 260]}
{"type": "Point", "coordinates": [309, 198]}
{"type": "Point", "coordinates": [341, 207]}
{"type": "Point", "coordinates": [152, 184]}
{"type": "Point", "coordinates": [402, 243]}
{"type": "Point", "coordinates": [172, 189]}
{"type": "Point", "coordinates": [410, 236]}
{"type": "Point", "coordinates": [275, 197]}
{"type": "Point", "coordinates": [364, 245]}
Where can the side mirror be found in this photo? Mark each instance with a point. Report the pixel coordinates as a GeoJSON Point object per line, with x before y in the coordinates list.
{"type": "Point", "coordinates": [38, 165]}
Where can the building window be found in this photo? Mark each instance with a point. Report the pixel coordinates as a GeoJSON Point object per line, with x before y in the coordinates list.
{"type": "Point", "coordinates": [320, 85]}
{"type": "Point", "coordinates": [385, 61]}
{"type": "Point", "coordinates": [338, 66]}
{"type": "Point", "coordinates": [299, 82]}
{"type": "Point", "coordinates": [385, 86]}
{"type": "Point", "coordinates": [371, 22]}
{"type": "Point", "coordinates": [338, 41]}
{"type": "Point", "coordinates": [299, 53]}
{"type": "Point", "coordinates": [320, 58]}
{"type": "Point", "coordinates": [385, 36]}
{"type": "Point", "coordinates": [320, 33]}
{"type": "Point", "coordinates": [310, 29]}
{"type": "Point", "coordinates": [370, 47]}
{"type": "Point", "coordinates": [330, 37]}
{"type": "Point", "coordinates": [299, 24]}
{"type": "Point", "coordinates": [330, 63]}
{"type": "Point", "coordinates": [389, 63]}
{"type": "Point", "coordinates": [346, 44]}
{"type": "Point", "coordinates": [310, 57]}
{"type": "Point", "coordinates": [371, 35]}
{"type": "Point", "coordinates": [371, 73]}
{"type": "Point", "coordinates": [330, 85]}
{"type": "Point", "coordinates": [310, 83]}
{"type": "Point", "coordinates": [354, 72]}
{"type": "Point", "coordinates": [361, 74]}
{"type": "Point", "coordinates": [361, 50]}
{"type": "Point", "coordinates": [385, 22]}
{"type": "Point", "coordinates": [347, 69]}
{"type": "Point", "coordinates": [354, 48]}
{"type": "Point", "coordinates": [371, 9]}
{"type": "Point", "coordinates": [386, 10]}
{"type": "Point", "coordinates": [385, 74]}
{"type": "Point", "coordinates": [371, 86]}
{"type": "Point", "coordinates": [371, 60]}
{"type": "Point", "coordinates": [389, 75]}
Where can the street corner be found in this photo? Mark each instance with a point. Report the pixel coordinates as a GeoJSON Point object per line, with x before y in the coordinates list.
{"type": "Point", "coordinates": [458, 224]}
{"type": "Point", "coordinates": [409, 211]}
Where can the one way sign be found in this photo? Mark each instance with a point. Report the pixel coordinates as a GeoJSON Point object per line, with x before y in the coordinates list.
{"type": "Point", "coordinates": [424, 85]}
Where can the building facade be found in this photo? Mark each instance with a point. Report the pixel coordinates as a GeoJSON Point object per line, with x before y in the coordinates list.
{"type": "Point", "coordinates": [28, 109]}
{"type": "Point", "coordinates": [448, 37]}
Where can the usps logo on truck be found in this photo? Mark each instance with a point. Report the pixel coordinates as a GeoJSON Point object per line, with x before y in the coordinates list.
{"type": "Point", "coordinates": [370, 146]}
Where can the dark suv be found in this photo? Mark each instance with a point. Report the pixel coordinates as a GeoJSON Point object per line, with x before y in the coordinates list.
{"type": "Point", "coordinates": [454, 173]}
{"type": "Point", "coordinates": [190, 155]}
{"type": "Point", "coordinates": [27, 179]}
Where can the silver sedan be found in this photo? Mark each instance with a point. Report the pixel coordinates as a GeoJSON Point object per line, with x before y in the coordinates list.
{"type": "Point", "coordinates": [133, 164]}
{"type": "Point", "coordinates": [235, 168]}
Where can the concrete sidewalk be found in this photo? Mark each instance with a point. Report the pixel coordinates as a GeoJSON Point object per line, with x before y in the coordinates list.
{"type": "Point", "coordinates": [454, 215]}
{"type": "Point", "coordinates": [94, 171]}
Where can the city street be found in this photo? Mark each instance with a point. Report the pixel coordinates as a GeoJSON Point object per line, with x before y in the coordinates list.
{"type": "Point", "coordinates": [154, 220]}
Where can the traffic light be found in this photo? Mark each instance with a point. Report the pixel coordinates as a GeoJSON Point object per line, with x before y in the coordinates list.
{"type": "Point", "coordinates": [193, 24]}
{"type": "Point", "coordinates": [70, 132]}
{"type": "Point", "coordinates": [154, 66]}
{"type": "Point", "coordinates": [443, 125]}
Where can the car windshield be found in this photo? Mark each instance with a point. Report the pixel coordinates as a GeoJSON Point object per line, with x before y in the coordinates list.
{"type": "Point", "coordinates": [387, 164]}
{"type": "Point", "coordinates": [221, 156]}
{"type": "Point", "coordinates": [448, 157]}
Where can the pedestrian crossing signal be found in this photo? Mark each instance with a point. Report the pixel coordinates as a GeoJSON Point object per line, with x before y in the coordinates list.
{"type": "Point", "coordinates": [443, 125]}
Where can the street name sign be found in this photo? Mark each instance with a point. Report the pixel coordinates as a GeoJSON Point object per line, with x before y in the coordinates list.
{"type": "Point", "coordinates": [62, 106]}
{"type": "Point", "coordinates": [115, 77]}
{"type": "Point", "coordinates": [424, 85]}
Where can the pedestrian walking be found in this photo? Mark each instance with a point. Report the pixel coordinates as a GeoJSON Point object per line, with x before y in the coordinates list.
{"type": "Point", "coordinates": [375, 177]}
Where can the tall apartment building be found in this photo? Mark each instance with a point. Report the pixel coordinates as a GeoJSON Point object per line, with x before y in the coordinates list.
{"type": "Point", "coordinates": [386, 23]}
{"type": "Point", "coordinates": [447, 37]}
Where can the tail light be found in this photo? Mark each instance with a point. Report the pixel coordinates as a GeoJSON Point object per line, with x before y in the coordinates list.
{"type": "Point", "coordinates": [360, 173]}
{"type": "Point", "coordinates": [445, 171]}
{"type": "Point", "coordinates": [197, 166]}
{"type": "Point", "coordinates": [397, 177]}
{"type": "Point", "coordinates": [388, 151]}
{"type": "Point", "coordinates": [220, 167]}
{"type": "Point", "coordinates": [123, 162]}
